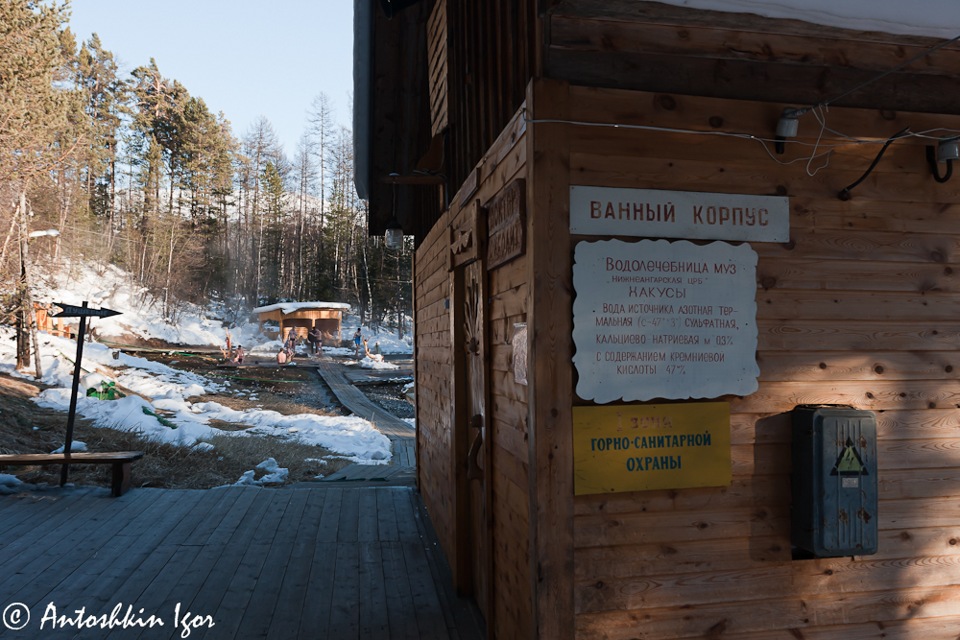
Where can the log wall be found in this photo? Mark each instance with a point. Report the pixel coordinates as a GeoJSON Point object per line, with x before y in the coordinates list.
{"type": "Point", "coordinates": [506, 306]}
{"type": "Point", "coordinates": [860, 307]}
{"type": "Point", "coordinates": [434, 397]}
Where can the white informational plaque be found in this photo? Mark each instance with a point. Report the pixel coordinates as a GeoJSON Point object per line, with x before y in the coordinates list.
{"type": "Point", "coordinates": [659, 319]}
{"type": "Point", "coordinates": [655, 213]}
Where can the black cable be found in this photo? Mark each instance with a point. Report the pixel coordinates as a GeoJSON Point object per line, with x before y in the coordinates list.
{"type": "Point", "coordinates": [934, 169]}
{"type": "Point", "coordinates": [845, 192]}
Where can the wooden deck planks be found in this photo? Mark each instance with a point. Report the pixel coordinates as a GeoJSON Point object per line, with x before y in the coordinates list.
{"type": "Point", "coordinates": [296, 576]}
{"type": "Point", "coordinates": [349, 522]}
{"type": "Point", "coordinates": [344, 609]}
{"type": "Point", "coordinates": [386, 516]}
{"type": "Point", "coordinates": [65, 567]}
{"type": "Point", "coordinates": [217, 593]}
{"type": "Point", "coordinates": [253, 576]}
{"type": "Point", "coordinates": [401, 434]}
{"type": "Point", "coordinates": [373, 593]}
{"type": "Point", "coordinates": [121, 552]}
{"type": "Point", "coordinates": [315, 615]}
{"type": "Point", "coordinates": [300, 562]}
{"type": "Point", "coordinates": [266, 591]}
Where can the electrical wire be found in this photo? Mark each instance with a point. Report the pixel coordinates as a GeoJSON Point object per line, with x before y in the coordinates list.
{"type": "Point", "coordinates": [845, 192]}
{"type": "Point", "coordinates": [819, 111]}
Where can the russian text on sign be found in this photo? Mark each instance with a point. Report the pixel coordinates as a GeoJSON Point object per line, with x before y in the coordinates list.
{"type": "Point", "coordinates": [705, 329]}
{"type": "Point", "coordinates": [653, 213]}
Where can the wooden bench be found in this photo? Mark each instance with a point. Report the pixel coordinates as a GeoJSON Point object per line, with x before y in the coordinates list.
{"type": "Point", "coordinates": [121, 461]}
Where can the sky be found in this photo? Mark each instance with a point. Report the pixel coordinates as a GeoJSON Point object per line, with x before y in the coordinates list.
{"type": "Point", "coordinates": [182, 395]}
{"type": "Point", "coordinates": [245, 58]}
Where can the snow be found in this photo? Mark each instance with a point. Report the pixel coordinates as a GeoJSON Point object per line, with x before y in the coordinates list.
{"type": "Point", "coordinates": [372, 362]}
{"type": "Point", "coordinates": [290, 307]}
{"type": "Point", "coordinates": [165, 404]}
{"type": "Point", "coordinates": [108, 287]}
{"type": "Point", "coordinates": [75, 447]}
{"type": "Point", "coordinates": [933, 18]}
{"type": "Point", "coordinates": [274, 474]}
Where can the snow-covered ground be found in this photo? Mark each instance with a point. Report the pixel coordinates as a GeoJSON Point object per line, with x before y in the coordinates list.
{"type": "Point", "coordinates": [161, 407]}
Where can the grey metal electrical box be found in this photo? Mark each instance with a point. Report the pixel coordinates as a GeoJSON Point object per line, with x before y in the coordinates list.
{"type": "Point", "coordinates": [834, 481]}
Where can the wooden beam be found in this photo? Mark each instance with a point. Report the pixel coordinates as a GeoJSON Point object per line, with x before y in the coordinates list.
{"type": "Point", "coordinates": [750, 80]}
{"type": "Point", "coordinates": [550, 373]}
{"type": "Point", "coordinates": [414, 180]}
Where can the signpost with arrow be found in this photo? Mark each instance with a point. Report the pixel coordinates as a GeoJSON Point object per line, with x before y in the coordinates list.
{"type": "Point", "coordinates": [83, 312]}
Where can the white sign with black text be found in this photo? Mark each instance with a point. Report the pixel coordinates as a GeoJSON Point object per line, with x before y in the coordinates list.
{"type": "Point", "coordinates": [652, 213]}
{"type": "Point", "coordinates": [659, 319]}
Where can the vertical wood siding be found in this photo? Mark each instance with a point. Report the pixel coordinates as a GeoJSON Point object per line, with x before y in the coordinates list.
{"type": "Point", "coordinates": [861, 308]}
{"type": "Point", "coordinates": [437, 64]}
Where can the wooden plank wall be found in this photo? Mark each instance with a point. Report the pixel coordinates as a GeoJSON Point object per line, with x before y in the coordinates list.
{"type": "Point", "coordinates": [861, 307]}
{"type": "Point", "coordinates": [507, 290]}
{"type": "Point", "coordinates": [490, 60]}
{"type": "Point", "coordinates": [437, 61]}
{"type": "Point", "coordinates": [434, 358]}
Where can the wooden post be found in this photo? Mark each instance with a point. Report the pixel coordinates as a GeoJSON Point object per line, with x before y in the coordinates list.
{"type": "Point", "coordinates": [549, 374]}
{"type": "Point", "coordinates": [71, 416]}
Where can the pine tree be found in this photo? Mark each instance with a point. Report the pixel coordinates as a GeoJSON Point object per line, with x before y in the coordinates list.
{"type": "Point", "coordinates": [260, 147]}
{"type": "Point", "coordinates": [34, 108]}
{"type": "Point", "coordinates": [105, 98]}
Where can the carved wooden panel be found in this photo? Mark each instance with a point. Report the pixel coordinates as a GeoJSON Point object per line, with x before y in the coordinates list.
{"type": "Point", "coordinates": [506, 224]}
{"type": "Point", "coordinates": [465, 236]}
{"type": "Point", "coordinates": [478, 456]}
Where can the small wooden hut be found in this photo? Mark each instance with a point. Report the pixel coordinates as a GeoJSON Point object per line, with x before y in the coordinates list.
{"type": "Point", "coordinates": [303, 317]}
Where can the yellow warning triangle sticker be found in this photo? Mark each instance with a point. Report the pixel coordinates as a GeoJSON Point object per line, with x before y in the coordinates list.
{"type": "Point", "coordinates": [849, 462]}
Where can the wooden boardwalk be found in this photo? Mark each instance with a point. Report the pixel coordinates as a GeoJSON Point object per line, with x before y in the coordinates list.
{"type": "Point", "coordinates": [402, 436]}
{"type": "Point", "coordinates": [316, 561]}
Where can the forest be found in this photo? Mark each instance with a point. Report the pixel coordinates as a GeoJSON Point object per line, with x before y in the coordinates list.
{"type": "Point", "coordinates": [133, 170]}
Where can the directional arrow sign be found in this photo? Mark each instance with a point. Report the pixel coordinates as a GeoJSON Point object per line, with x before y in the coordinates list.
{"type": "Point", "coordinates": [83, 312]}
{"type": "Point", "coordinates": [71, 311]}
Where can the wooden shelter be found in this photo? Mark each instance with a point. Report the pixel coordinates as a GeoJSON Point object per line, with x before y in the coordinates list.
{"type": "Point", "coordinates": [648, 237]}
{"type": "Point", "coordinates": [303, 317]}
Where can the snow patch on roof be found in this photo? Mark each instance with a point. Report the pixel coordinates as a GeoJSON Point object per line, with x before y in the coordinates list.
{"type": "Point", "coordinates": [290, 307]}
{"type": "Point", "coordinates": [933, 18]}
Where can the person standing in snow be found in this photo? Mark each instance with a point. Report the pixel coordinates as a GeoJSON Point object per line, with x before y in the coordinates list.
{"type": "Point", "coordinates": [315, 338]}
{"type": "Point", "coordinates": [357, 342]}
{"type": "Point", "coordinates": [290, 347]}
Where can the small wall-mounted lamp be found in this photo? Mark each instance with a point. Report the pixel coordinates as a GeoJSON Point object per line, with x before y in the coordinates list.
{"type": "Point", "coordinates": [948, 150]}
{"type": "Point", "coordinates": [393, 236]}
{"type": "Point", "coordinates": [787, 127]}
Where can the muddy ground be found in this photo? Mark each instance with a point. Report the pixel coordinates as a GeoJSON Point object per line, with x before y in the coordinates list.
{"type": "Point", "coordinates": [27, 428]}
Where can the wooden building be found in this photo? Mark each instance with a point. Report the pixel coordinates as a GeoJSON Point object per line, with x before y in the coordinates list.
{"type": "Point", "coordinates": [543, 154]}
{"type": "Point", "coordinates": [303, 317]}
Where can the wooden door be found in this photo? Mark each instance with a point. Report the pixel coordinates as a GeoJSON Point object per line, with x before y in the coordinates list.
{"type": "Point", "coordinates": [477, 542]}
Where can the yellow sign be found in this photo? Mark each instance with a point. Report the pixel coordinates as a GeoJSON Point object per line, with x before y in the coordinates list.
{"type": "Point", "coordinates": [646, 447]}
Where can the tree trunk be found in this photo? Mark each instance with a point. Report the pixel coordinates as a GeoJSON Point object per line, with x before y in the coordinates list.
{"type": "Point", "coordinates": [26, 318]}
